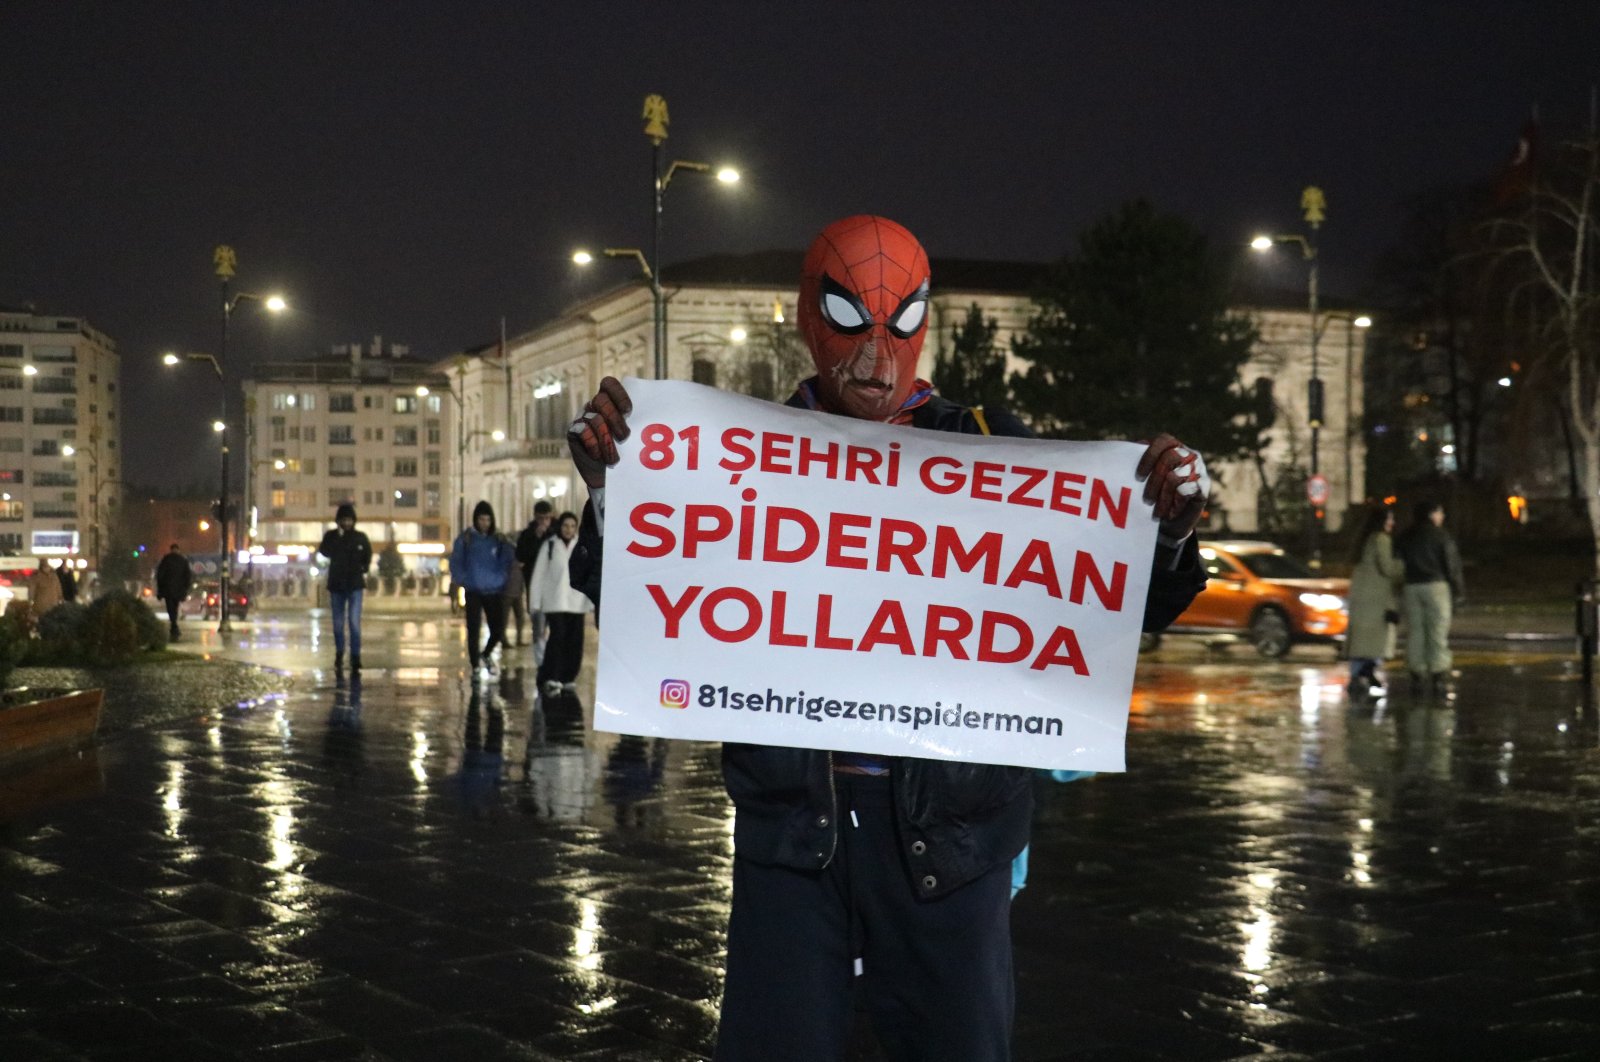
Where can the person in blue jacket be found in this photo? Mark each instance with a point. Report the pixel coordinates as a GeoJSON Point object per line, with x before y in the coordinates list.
{"type": "Point", "coordinates": [480, 564]}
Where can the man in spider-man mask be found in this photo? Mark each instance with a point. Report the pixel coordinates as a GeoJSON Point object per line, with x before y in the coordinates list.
{"type": "Point", "coordinates": [894, 870]}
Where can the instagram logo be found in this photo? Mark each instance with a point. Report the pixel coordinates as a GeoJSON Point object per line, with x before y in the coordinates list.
{"type": "Point", "coordinates": [674, 693]}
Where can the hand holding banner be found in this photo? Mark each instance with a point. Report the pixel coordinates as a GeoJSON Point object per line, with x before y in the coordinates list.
{"type": "Point", "coordinates": [784, 577]}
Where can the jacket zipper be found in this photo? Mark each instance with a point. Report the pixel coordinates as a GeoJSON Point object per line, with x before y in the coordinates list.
{"type": "Point", "coordinates": [833, 801]}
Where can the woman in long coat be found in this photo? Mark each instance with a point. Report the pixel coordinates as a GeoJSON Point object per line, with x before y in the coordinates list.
{"type": "Point", "coordinates": [1374, 603]}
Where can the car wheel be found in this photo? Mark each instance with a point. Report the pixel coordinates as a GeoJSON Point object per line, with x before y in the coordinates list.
{"type": "Point", "coordinates": [1269, 633]}
{"type": "Point", "coordinates": [1149, 642]}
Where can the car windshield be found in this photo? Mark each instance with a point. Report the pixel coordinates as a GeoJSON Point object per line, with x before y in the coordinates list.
{"type": "Point", "coordinates": [1274, 566]}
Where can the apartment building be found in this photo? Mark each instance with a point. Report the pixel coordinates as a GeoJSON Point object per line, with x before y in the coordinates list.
{"type": "Point", "coordinates": [730, 324]}
{"type": "Point", "coordinates": [60, 435]}
{"type": "Point", "coordinates": [368, 425]}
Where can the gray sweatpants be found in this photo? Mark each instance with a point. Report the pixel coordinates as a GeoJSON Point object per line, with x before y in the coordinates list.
{"type": "Point", "coordinates": [1428, 607]}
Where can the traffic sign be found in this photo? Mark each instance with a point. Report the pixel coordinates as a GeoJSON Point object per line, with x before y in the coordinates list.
{"type": "Point", "coordinates": [1317, 489]}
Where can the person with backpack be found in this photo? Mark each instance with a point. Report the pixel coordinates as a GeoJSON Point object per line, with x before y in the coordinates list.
{"type": "Point", "coordinates": [480, 564]}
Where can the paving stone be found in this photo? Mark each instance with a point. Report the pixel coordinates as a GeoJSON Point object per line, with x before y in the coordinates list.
{"type": "Point", "coordinates": [430, 880]}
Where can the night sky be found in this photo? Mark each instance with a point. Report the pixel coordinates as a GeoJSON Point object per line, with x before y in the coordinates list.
{"type": "Point", "coordinates": [420, 170]}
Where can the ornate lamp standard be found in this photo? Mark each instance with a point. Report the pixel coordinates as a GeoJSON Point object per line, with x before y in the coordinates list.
{"type": "Point", "coordinates": [226, 263]}
{"type": "Point", "coordinates": [1313, 206]}
{"type": "Point", "coordinates": [655, 128]}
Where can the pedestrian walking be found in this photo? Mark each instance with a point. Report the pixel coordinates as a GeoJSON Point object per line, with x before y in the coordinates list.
{"type": "Point", "coordinates": [897, 870]}
{"type": "Point", "coordinates": [532, 537]}
{"type": "Point", "coordinates": [69, 582]}
{"type": "Point", "coordinates": [1374, 604]}
{"type": "Point", "coordinates": [44, 589]}
{"type": "Point", "coordinates": [480, 564]}
{"type": "Point", "coordinates": [1433, 588]}
{"type": "Point", "coordinates": [516, 596]}
{"type": "Point", "coordinates": [174, 578]}
{"type": "Point", "coordinates": [349, 554]}
{"type": "Point", "coordinates": [563, 607]}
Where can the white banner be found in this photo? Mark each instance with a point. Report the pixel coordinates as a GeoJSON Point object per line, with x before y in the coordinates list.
{"type": "Point", "coordinates": [785, 577]}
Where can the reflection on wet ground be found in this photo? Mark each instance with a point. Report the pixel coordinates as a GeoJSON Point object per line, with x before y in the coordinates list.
{"type": "Point", "coordinates": [411, 866]}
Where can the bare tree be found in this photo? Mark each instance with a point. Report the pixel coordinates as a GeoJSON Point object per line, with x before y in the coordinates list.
{"type": "Point", "coordinates": [1551, 244]}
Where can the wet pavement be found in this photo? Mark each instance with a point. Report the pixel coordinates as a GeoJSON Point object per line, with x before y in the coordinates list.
{"type": "Point", "coordinates": [406, 868]}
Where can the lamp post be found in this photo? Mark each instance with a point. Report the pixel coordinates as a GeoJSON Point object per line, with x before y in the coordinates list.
{"type": "Point", "coordinates": [1352, 321]}
{"type": "Point", "coordinates": [463, 439]}
{"type": "Point", "coordinates": [655, 128]}
{"type": "Point", "coordinates": [1313, 205]}
{"type": "Point", "coordinates": [226, 263]}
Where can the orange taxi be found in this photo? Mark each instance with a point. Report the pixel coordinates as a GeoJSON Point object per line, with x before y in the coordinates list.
{"type": "Point", "coordinates": [1270, 598]}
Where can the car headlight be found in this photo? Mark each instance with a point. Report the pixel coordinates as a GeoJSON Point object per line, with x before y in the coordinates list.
{"type": "Point", "coordinates": [1322, 602]}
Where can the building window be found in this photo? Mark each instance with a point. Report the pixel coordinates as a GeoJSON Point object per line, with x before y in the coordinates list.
{"type": "Point", "coordinates": [405, 403]}
{"type": "Point", "coordinates": [294, 433]}
{"type": "Point", "coordinates": [405, 498]}
{"type": "Point", "coordinates": [431, 459]}
{"type": "Point", "coordinates": [11, 445]}
{"type": "Point", "coordinates": [11, 510]}
{"type": "Point", "coordinates": [309, 434]}
{"type": "Point", "coordinates": [366, 401]}
{"type": "Point", "coordinates": [430, 499]}
{"type": "Point", "coordinates": [11, 413]}
{"type": "Point", "coordinates": [435, 404]}
{"type": "Point", "coordinates": [405, 466]}
{"type": "Point", "coordinates": [343, 402]}
{"type": "Point", "coordinates": [10, 382]}
{"type": "Point", "coordinates": [11, 350]}
{"type": "Point", "coordinates": [341, 435]}
{"type": "Point", "coordinates": [337, 496]}
{"type": "Point", "coordinates": [341, 466]}
{"type": "Point", "coordinates": [433, 433]}
{"type": "Point", "coordinates": [308, 401]}
{"type": "Point", "coordinates": [405, 436]}
{"type": "Point", "coordinates": [308, 466]}
{"type": "Point", "coordinates": [277, 429]}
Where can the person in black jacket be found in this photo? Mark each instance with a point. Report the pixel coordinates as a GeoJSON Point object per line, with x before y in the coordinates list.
{"type": "Point", "coordinates": [895, 869]}
{"type": "Point", "coordinates": [174, 577]}
{"type": "Point", "coordinates": [1433, 587]}
{"type": "Point", "coordinates": [349, 556]}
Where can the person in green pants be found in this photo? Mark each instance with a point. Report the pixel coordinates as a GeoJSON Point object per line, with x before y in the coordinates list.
{"type": "Point", "coordinates": [1432, 589]}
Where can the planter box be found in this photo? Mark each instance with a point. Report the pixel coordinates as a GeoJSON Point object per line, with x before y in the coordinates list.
{"type": "Point", "coordinates": [38, 722]}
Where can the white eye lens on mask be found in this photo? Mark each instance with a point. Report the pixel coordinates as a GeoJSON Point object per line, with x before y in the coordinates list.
{"type": "Point", "coordinates": [910, 318]}
{"type": "Point", "coordinates": [841, 312]}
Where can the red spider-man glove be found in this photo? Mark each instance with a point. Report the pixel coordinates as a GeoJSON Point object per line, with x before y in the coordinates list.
{"type": "Point", "coordinates": [593, 436]}
{"type": "Point", "coordinates": [1177, 484]}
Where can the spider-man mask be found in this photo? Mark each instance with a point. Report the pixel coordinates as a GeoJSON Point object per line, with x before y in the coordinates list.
{"type": "Point", "coordinates": [863, 312]}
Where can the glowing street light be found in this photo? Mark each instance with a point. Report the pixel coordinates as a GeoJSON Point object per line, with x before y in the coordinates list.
{"type": "Point", "coordinates": [655, 129]}
{"type": "Point", "coordinates": [30, 370]}
{"type": "Point", "coordinates": [218, 427]}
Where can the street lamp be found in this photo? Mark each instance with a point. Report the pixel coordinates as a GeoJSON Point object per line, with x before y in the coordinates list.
{"type": "Point", "coordinates": [1352, 322]}
{"type": "Point", "coordinates": [1313, 205]}
{"type": "Point", "coordinates": [655, 128]}
{"type": "Point", "coordinates": [226, 263]}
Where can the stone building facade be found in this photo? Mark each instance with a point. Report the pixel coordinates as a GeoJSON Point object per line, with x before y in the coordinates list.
{"type": "Point", "coordinates": [517, 398]}
{"type": "Point", "coordinates": [60, 435]}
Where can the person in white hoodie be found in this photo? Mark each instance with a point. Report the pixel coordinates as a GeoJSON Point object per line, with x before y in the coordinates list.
{"type": "Point", "coordinates": [550, 592]}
